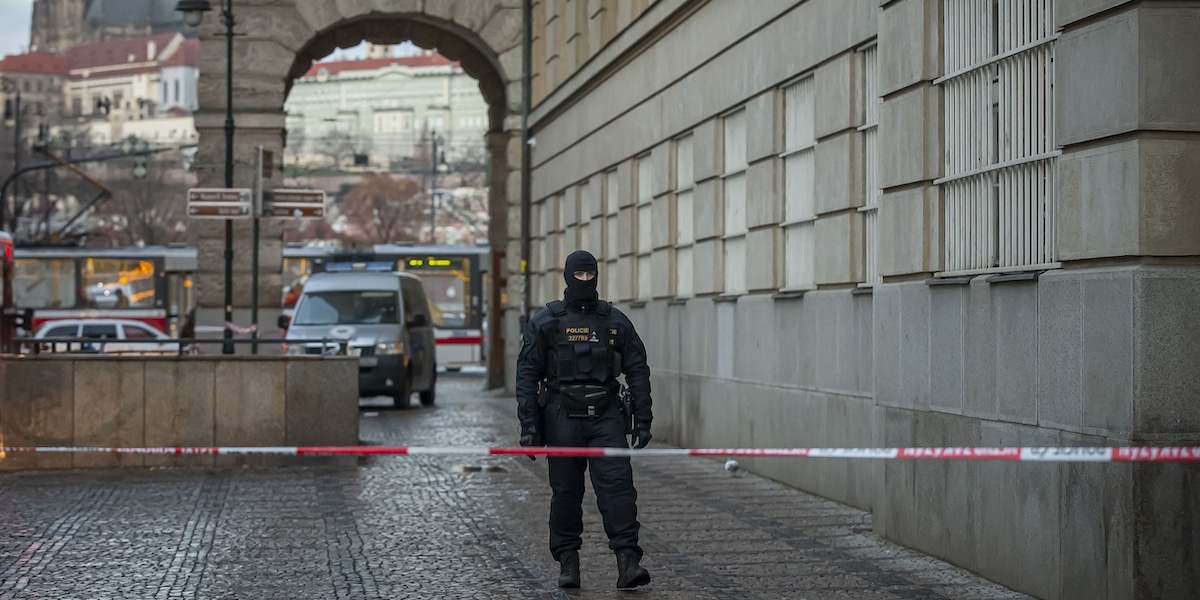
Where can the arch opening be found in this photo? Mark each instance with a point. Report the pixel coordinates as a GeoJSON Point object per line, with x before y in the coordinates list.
{"type": "Point", "coordinates": [480, 36]}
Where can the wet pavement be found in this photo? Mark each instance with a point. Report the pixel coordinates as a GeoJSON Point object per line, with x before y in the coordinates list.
{"type": "Point", "coordinates": [438, 527]}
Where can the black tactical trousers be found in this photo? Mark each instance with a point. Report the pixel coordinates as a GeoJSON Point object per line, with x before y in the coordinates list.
{"type": "Point", "coordinates": [612, 480]}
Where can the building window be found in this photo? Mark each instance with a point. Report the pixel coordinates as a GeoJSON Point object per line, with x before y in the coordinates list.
{"type": "Point", "coordinates": [612, 232]}
{"type": "Point", "coordinates": [734, 183]}
{"type": "Point", "coordinates": [176, 91]}
{"type": "Point", "coordinates": [684, 227]}
{"type": "Point", "coordinates": [799, 160]}
{"type": "Point", "coordinates": [999, 126]}
{"type": "Point", "coordinates": [870, 129]}
{"type": "Point", "coordinates": [645, 231]}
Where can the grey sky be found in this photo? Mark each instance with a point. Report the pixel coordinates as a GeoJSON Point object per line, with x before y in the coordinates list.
{"type": "Point", "coordinates": [14, 26]}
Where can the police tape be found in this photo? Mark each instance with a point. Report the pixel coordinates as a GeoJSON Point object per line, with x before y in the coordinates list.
{"type": "Point", "coordinates": [1064, 454]}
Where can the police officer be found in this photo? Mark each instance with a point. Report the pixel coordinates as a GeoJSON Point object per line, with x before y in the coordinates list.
{"type": "Point", "coordinates": [575, 348]}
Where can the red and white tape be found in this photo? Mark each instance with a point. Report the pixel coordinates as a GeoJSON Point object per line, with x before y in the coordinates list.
{"type": "Point", "coordinates": [1070, 454]}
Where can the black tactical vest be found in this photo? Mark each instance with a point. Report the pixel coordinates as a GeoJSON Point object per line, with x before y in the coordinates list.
{"type": "Point", "coordinates": [583, 344]}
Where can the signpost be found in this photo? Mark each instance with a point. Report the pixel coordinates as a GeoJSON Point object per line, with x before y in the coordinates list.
{"type": "Point", "coordinates": [238, 203]}
{"type": "Point", "coordinates": [219, 203]}
{"type": "Point", "coordinates": [299, 204]}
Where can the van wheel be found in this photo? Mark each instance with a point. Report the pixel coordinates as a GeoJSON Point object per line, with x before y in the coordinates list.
{"type": "Point", "coordinates": [430, 395]}
{"type": "Point", "coordinates": [403, 396]}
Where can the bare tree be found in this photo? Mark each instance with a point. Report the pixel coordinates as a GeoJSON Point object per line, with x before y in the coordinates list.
{"type": "Point", "coordinates": [151, 210]}
{"type": "Point", "coordinates": [383, 209]}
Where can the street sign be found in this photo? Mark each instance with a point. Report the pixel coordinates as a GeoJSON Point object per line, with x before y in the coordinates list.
{"type": "Point", "coordinates": [307, 212]}
{"type": "Point", "coordinates": [218, 211]}
{"type": "Point", "coordinates": [219, 203]}
{"type": "Point", "coordinates": [298, 204]}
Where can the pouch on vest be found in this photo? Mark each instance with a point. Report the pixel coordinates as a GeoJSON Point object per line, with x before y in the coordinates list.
{"type": "Point", "coordinates": [584, 400]}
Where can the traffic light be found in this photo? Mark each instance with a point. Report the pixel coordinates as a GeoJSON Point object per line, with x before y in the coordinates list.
{"type": "Point", "coordinates": [23, 322]}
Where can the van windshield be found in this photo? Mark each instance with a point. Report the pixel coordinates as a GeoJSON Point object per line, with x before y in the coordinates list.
{"type": "Point", "coordinates": [348, 308]}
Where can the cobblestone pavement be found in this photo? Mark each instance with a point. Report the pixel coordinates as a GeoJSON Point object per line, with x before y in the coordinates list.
{"type": "Point", "coordinates": [437, 527]}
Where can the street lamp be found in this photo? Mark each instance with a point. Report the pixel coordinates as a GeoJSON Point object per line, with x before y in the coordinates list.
{"type": "Point", "coordinates": [12, 118]}
{"type": "Point", "coordinates": [437, 165]}
{"type": "Point", "coordinates": [139, 149]}
{"type": "Point", "coordinates": [193, 14]}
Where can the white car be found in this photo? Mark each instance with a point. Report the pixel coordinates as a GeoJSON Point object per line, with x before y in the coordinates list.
{"type": "Point", "coordinates": [106, 336]}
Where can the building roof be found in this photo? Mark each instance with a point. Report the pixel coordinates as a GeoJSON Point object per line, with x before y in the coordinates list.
{"type": "Point", "coordinates": [34, 63]}
{"type": "Point", "coordinates": [188, 55]}
{"type": "Point", "coordinates": [372, 64]}
{"type": "Point", "coordinates": [112, 55]}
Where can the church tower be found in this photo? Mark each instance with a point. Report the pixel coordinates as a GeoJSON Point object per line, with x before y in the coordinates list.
{"type": "Point", "coordinates": [58, 25]}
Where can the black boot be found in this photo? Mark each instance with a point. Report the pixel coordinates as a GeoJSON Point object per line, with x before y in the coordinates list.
{"type": "Point", "coordinates": [629, 573]}
{"type": "Point", "coordinates": [568, 573]}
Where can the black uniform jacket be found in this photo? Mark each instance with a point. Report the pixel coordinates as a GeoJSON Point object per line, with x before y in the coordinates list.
{"type": "Point", "coordinates": [537, 350]}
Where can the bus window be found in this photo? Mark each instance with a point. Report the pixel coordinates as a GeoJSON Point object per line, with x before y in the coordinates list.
{"type": "Point", "coordinates": [39, 283]}
{"type": "Point", "coordinates": [119, 283]}
{"type": "Point", "coordinates": [447, 293]}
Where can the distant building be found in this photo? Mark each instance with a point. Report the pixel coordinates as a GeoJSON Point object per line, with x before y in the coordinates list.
{"type": "Point", "coordinates": [39, 76]}
{"type": "Point", "coordinates": [58, 25]}
{"type": "Point", "coordinates": [385, 111]}
{"type": "Point", "coordinates": [144, 87]}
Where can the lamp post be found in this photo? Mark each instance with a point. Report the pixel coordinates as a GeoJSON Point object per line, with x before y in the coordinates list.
{"type": "Point", "coordinates": [193, 14]}
{"type": "Point", "coordinates": [437, 165]}
{"type": "Point", "coordinates": [12, 111]}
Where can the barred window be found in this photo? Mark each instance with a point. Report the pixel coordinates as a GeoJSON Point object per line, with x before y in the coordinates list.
{"type": "Point", "coordinates": [684, 227]}
{"type": "Point", "coordinates": [734, 179]}
{"type": "Point", "coordinates": [870, 129]}
{"type": "Point", "coordinates": [799, 160]}
{"type": "Point", "coordinates": [612, 233]}
{"type": "Point", "coordinates": [999, 135]}
{"type": "Point", "coordinates": [645, 231]}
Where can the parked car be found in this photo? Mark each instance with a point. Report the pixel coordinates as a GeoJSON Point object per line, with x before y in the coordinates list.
{"type": "Point", "coordinates": [382, 318]}
{"type": "Point", "coordinates": [106, 336]}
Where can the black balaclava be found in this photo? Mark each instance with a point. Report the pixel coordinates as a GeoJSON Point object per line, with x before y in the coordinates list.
{"type": "Point", "coordinates": [580, 292]}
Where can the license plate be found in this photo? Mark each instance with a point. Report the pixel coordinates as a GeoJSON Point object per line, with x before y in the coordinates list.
{"type": "Point", "coordinates": [368, 361]}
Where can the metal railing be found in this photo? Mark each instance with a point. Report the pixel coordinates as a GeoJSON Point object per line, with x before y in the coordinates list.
{"type": "Point", "coordinates": [174, 347]}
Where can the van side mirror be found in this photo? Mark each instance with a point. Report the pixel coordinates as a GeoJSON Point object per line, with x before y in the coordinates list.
{"type": "Point", "coordinates": [418, 320]}
{"type": "Point", "coordinates": [284, 321]}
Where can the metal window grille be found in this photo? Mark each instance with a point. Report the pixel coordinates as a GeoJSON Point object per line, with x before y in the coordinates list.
{"type": "Point", "coordinates": [608, 248]}
{"type": "Point", "coordinates": [735, 202]}
{"type": "Point", "coordinates": [799, 164]}
{"type": "Point", "coordinates": [684, 227]}
{"type": "Point", "coordinates": [870, 129]}
{"type": "Point", "coordinates": [645, 231]}
{"type": "Point", "coordinates": [1000, 183]}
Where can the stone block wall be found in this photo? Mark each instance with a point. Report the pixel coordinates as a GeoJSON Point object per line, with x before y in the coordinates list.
{"type": "Point", "coordinates": [1095, 348]}
{"type": "Point", "coordinates": [84, 401]}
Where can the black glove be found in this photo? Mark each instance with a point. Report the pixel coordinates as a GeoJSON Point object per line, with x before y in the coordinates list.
{"type": "Point", "coordinates": [641, 437]}
{"type": "Point", "coordinates": [531, 437]}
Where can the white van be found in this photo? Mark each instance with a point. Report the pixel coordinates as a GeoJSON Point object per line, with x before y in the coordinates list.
{"type": "Point", "coordinates": [384, 319]}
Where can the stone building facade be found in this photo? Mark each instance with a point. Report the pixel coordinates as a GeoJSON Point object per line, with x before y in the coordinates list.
{"type": "Point", "coordinates": [848, 223]}
{"type": "Point", "coordinates": [903, 223]}
{"type": "Point", "coordinates": [281, 41]}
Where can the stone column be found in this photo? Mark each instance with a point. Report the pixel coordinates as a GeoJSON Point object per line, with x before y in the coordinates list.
{"type": "Point", "coordinates": [910, 138]}
{"type": "Point", "coordinates": [498, 207]}
{"type": "Point", "coordinates": [1129, 126]}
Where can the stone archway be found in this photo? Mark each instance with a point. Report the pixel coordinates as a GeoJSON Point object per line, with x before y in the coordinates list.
{"type": "Point", "coordinates": [278, 43]}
